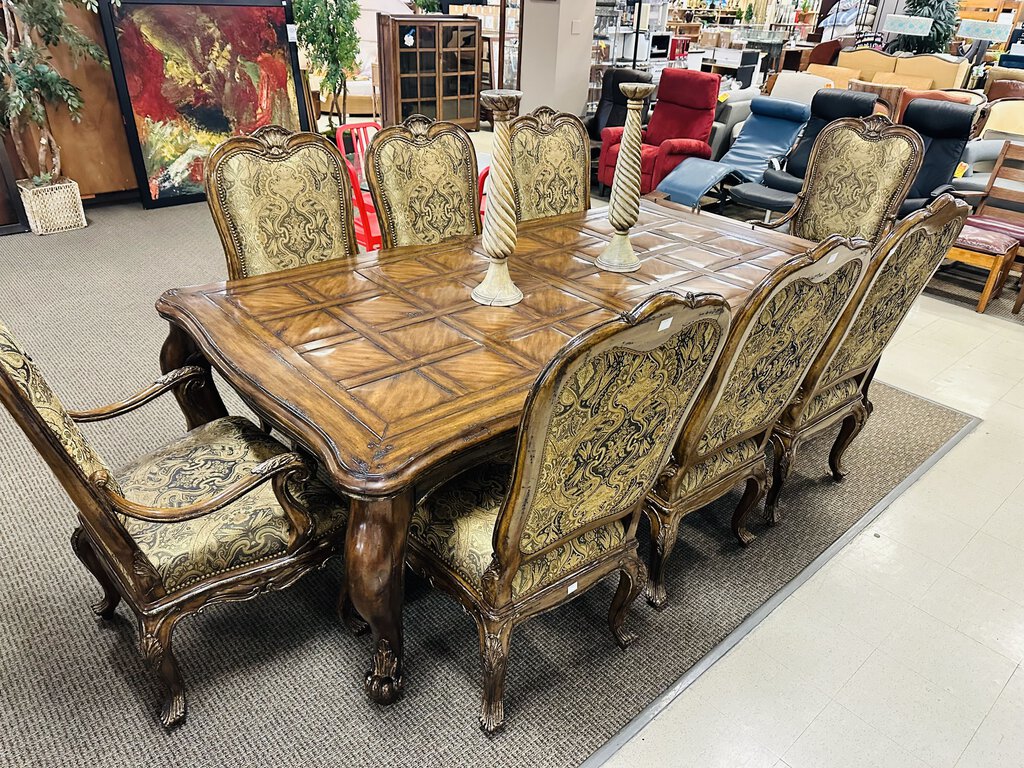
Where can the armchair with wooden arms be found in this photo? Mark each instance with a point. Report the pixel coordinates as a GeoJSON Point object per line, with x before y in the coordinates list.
{"type": "Point", "coordinates": [223, 513]}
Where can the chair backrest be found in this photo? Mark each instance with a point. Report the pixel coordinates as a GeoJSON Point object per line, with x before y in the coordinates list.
{"type": "Point", "coordinates": [423, 180]}
{"type": "Point", "coordinates": [827, 105]}
{"type": "Point", "coordinates": [900, 267]}
{"type": "Point", "coordinates": [825, 53]}
{"type": "Point", "coordinates": [868, 61]}
{"type": "Point", "coordinates": [686, 106]}
{"type": "Point", "coordinates": [1004, 197]}
{"type": "Point", "coordinates": [798, 86]}
{"type": "Point", "coordinates": [774, 338]}
{"type": "Point", "coordinates": [279, 200]}
{"type": "Point", "coordinates": [890, 94]}
{"type": "Point", "coordinates": [1006, 116]}
{"type": "Point", "coordinates": [601, 420]}
{"type": "Point", "coordinates": [997, 73]}
{"type": "Point", "coordinates": [611, 108]}
{"type": "Point", "coordinates": [910, 94]}
{"type": "Point", "coordinates": [841, 76]}
{"type": "Point", "coordinates": [769, 132]}
{"type": "Point", "coordinates": [859, 174]}
{"type": "Point", "coordinates": [353, 140]}
{"type": "Point", "coordinates": [945, 128]}
{"type": "Point", "coordinates": [550, 164]}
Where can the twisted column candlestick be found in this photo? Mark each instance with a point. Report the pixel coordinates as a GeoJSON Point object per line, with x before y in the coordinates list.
{"type": "Point", "coordinates": [624, 205]}
{"type": "Point", "coordinates": [497, 288]}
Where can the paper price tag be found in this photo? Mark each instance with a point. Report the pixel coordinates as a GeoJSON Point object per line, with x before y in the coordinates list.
{"type": "Point", "coordinates": [293, 33]}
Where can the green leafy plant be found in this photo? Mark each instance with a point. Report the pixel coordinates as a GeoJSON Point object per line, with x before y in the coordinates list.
{"type": "Point", "coordinates": [943, 14]}
{"type": "Point", "coordinates": [748, 14]}
{"type": "Point", "coordinates": [428, 6]}
{"type": "Point", "coordinates": [327, 33]}
{"type": "Point", "coordinates": [29, 81]}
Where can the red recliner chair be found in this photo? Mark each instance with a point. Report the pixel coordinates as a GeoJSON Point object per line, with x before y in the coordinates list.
{"type": "Point", "coordinates": [680, 128]}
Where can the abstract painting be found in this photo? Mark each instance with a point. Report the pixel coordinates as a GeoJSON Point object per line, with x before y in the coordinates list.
{"type": "Point", "coordinates": [191, 74]}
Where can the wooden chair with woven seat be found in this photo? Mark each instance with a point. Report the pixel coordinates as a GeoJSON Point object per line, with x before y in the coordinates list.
{"type": "Point", "coordinates": [774, 338]}
{"type": "Point", "coordinates": [423, 178]}
{"type": "Point", "coordinates": [223, 513]}
{"type": "Point", "coordinates": [835, 389]}
{"type": "Point", "coordinates": [513, 539]}
{"type": "Point", "coordinates": [550, 164]}
{"type": "Point", "coordinates": [859, 173]}
{"type": "Point", "coordinates": [279, 200]}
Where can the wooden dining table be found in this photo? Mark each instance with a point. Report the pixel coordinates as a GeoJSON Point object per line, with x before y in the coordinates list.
{"type": "Point", "coordinates": [383, 370]}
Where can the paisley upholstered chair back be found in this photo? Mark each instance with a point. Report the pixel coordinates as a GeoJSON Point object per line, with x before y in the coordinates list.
{"type": "Point", "coordinates": [422, 176]}
{"type": "Point", "coordinates": [29, 397]}
{"type": "Point", "coordinates": [550, 164]}
{"type": "Point", "coordinates": [601, 421]}
{"type": "Point", "coordinates": [773, 341]}
{"type": "Point", "coordinates": [279, 200]}
{"type": "Point", "coordinates": [859, 174]}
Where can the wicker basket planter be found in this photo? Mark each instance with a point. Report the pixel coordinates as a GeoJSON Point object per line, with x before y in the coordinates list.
{"type": "Point", "coordinates": [54, 207]}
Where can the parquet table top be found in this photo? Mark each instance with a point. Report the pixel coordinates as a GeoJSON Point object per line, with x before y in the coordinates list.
{"type": "Point", "coordinates": [383, 366]}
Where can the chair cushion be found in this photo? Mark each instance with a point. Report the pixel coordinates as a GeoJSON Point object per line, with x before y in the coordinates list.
{"type": "Point", "coordinates": [758, 196]}
{"type": "Point", "coordinates": [686, 106]}
{"type": "Point", "coordinates": [994, 224]}
{"type": "Point", "coordinates": [782, 181]}
{"type": "Point", "coordinates": [907, 81]}
{"type": "Point", "coordinates": [717, 465]}
{"type": "Point", "coordinates": [985, 241]}
{"type": "Point", "coordinates": [455, 523]}
{"type": "Point", "coordinates": [1006, 89]}
{"type": "Point", "coordinates": [193, 469]}
{"type": "Point", "coordinates": [825, 401]}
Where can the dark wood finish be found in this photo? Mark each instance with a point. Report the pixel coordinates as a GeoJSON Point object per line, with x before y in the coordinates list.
{"type": "Point", "coordinates": [438, 75]}
{"type": "Point", "coordinates": [387, 371]}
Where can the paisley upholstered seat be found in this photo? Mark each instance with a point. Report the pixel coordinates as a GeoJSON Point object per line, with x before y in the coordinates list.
{"type": "Point", "coordinates": [717, 465]}
{"type": "Point", "coordinates": [550, 164]}
{"type": "Point", "coordinates": [835, 388]}
{"type": "Point", "coordinates": [423, 180]}
{"type": "Point", "coordinates": [858, 176]}
{"type": "Point", "coordinates": [221, 514]}
{"type": "Point", "coordinates": [280, 200]}
{"type": "Point", "coordinates": [513, 540]}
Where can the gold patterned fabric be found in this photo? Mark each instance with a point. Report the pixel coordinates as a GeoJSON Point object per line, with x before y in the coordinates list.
{"type": "Point", "coordinates": [285, 209]}
{"type": "Point", "coordinates": [456, 523]}
{"type": "Point", "coordinates": [193, 469]}
{"type": "Point", "coordinates": [827, 399]}
{"type": "Point", "coordinates": [853, 185]}
{"type": "Point", "coordinates": [894, 289]}
{"type": "Point", "coordinates": [718, 465]}
{"type": "Point", "coordinates": [425, 187]}
{"type": "Point", "coordinates": [779, 348]}
{"type": "Point", "coordinates": [26, 376]}
{"type": "Point", "coordinates": [550, 164]}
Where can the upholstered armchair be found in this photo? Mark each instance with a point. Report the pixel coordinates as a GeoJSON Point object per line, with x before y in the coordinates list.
{"type": "Point", "coordinates": [550, 167]}
{"type": "Point", "coordinates": [774, 338]}
{"type": "Point", "coordinates": [423, 179]}
{"type": "Point", "coordinates": [223, 513]}
{"type": "Point", "coordinates": [835, 389]}
{"type": "Point", "coordinates": [279, 200]}
{"type": "Point", "coordinates": [512, 539]}
{"type": "Point", "coordinates": [858, 176]}
{"type": "Point", "coordinates": [680, 127]}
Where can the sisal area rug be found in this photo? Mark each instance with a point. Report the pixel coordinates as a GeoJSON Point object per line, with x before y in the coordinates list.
{"type": "Point", "coordinates": [277, 681]}
{"type": "Point", "coordinates": [961, 284]}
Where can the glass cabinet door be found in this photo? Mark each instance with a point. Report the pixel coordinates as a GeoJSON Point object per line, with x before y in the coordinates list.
{"type": "Point", "coordinates": [417, 67]}
{"type": "Point", "coordinates": [458, 76]}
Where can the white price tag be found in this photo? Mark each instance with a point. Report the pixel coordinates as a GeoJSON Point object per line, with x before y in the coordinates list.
{"type": "Point", "coordinates": [572, 588]}
{"type": "Point", "coordinates": [293, 33]}
{"type": "Point", "coordinates": [665, 324]}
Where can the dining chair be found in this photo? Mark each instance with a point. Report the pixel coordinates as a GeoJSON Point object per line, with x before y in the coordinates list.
{"type": "Point", "coordinates": [223, 513]}
{"type": "Point", "coordinates": [423, 179]}
{"type": "Point", "coordinates": [835, 389]}
{"type": "Point", "coordinates": [859, 173]}
{"type": "Point", "coordinates": [357, 136]}
{"type": "Point", "coordinates": [550, 164]}
{"type": "Point", "coordinates": [518, 536]}
{"type": "Point", "coordinates": [279, 200]}
{"type": "Point", "coordinates": [775, 335]}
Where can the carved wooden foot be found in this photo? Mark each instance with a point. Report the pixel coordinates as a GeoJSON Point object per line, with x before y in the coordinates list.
{"type": "Point", "coordinates": [198, 397]}
{"type": "Point", "coordinates": [111, 597]}
{"type": "Point", "coordinates": [155, 644]}
{"type": "Point", "coordinates": [383, 682]}
{"type": "Point", "coordinates": [494, 642]}
{"type": "Point", "coordinates": [664, 530]}
{"type": "Point", "coordinates": [852, 425]}
{"type": "Point", "coordinates": [785, 458]}
{"type": "Point", "coordinates": [755, 491]}
{"type": "Point", "coordinates": [632, 580]}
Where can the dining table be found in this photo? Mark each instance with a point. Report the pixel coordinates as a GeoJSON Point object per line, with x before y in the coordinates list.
{"type": "Point", "coordinates": [385, 373]}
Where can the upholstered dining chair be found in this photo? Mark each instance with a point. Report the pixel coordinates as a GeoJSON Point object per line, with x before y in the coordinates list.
{"type": "Point", "coordinates": [513, 538]}
{"type": "Point", "coordinates": [774, 338]}
{"type": "Point", "coordinates": [835, 389]}
{"type": "Point", "coordinates": [858, 176]}
{"type": "Point", "coordinates": [279, 199]}
{"type": "Point", "coordinates": [550, 164]}
{"type": "Point", "coordinates": [223, 513]}
{"type": "Point", "coordinates": [423, 179]}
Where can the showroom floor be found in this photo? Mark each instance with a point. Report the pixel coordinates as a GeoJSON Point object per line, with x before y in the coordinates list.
{"type": "Point", "coordinates": [905, 650]}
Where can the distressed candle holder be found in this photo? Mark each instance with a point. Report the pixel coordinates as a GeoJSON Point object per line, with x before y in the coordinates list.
{"type": "Point", "coordinates": [624, 205]}
{"type": "Point", "coordinates": [497, 288]}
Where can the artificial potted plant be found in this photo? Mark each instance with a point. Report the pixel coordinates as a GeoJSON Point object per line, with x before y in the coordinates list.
{"type": "Point", "coordinates": [30, 84]}
{"type": "Point", "coordinates": [327, 34]}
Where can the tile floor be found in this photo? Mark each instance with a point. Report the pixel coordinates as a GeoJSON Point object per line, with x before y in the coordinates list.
{"type": "Point", "coordinates": [906, 649]}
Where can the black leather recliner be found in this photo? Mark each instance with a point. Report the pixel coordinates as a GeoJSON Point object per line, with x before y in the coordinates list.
{"type": "Point", "coordinates": [946, 128]}
{"type": "Point", "coordinates": [611, 109]}
{"type": "Point", "coordinates": [779, 188]}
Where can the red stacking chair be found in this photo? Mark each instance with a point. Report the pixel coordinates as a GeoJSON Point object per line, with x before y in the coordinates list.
{"type": "Point", "coordinates": [366, 225]}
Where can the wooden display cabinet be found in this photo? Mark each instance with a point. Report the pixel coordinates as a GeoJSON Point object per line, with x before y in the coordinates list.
{"type": "Point", "coordinates": [430, 65]}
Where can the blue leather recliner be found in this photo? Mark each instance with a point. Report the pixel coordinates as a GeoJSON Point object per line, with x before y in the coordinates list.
{"type": "Point", "coordinates": [768, 133]}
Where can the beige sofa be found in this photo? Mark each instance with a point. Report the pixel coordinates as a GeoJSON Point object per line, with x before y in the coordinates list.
{"type": "Point", "coordinates": [874, 66]}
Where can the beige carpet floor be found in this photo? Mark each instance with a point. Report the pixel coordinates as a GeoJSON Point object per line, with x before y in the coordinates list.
{"type": "Point", "coordinates": [277, 681]}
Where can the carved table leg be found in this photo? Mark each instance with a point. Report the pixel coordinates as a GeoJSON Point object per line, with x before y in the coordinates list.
{"type": "Point", "coordinates": [378, 530]}
{"type": "Point", "coordinates": [198, 398]}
